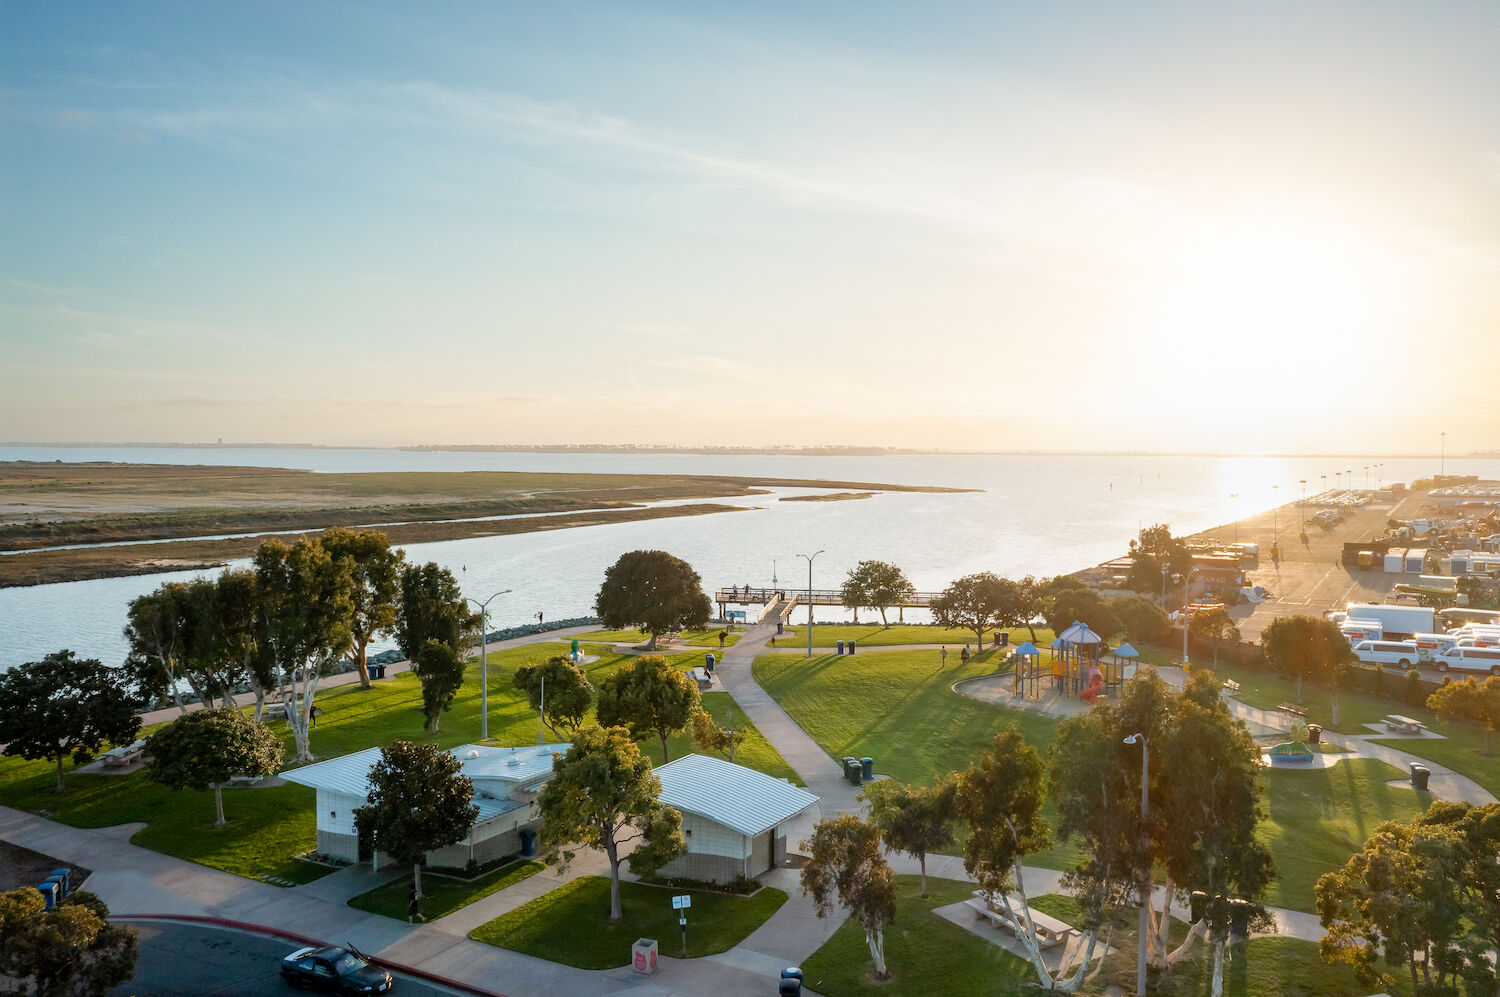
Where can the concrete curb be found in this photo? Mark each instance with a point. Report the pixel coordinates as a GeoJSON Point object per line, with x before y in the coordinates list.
{"type": "Point", "coordinates": [292, 936]}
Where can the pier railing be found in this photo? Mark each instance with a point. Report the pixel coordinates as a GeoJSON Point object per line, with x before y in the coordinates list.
{"type": "Point", "coordinates": [750, 595]}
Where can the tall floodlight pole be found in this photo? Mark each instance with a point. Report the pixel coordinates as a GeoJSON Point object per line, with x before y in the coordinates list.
{"type": "Point", "coordinates": [1187, 587]}
{"type": "Point", "coordinates": [1303, 483]}
{"type": "Point", "coordinates": [809, 561]}
{"type": "Point", "coordinates": [1234, 514]}
{"type": "Point", "coordinates": [484, 664]}
{"type": "Point", "coordinates": [1276, 516]}
{"type": "Point", "coordinates": [1145, 925]}
{"type": "Point", "coordinates": [1443, 458]}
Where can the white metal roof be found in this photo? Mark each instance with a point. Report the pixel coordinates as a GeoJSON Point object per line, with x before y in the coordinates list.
{"type": "Point", "coordinates": [740, 798]}
{"type": "Point", "coordinates": [496, 770]}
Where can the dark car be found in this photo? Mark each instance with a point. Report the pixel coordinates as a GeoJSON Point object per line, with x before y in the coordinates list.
{"type": "Point", "coordinates": [335, 971]}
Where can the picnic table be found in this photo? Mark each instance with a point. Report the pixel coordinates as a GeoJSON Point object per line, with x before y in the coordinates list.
{"type": "Point", "coordinates": [123, 755]}
{"type": "Point", "coordinates": [1296, 709]}
{"type": "Point", "coordinates": [701, 676]}
{"type": "Point", "coordinates": [1049, 930]}
{"type": "Point", "coordinates": [1404, 725]}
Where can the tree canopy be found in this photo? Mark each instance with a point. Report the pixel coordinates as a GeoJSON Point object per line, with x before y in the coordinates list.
{"type": "Point", "coordinates": [65, 705]}
{"type": "Point", "coordinates": [1153, 548]}
{"type": "Point", "coordinates": [845, 865]}
{"type": "Point", "coordinates": [568, 691]}
{"type": "Point", "coordinates": [433, 608]}
{"type": "Point", "coordinates": [69, 951]}
{"type": "Point", "coordinates": [1309, 647]}
{"type": "Point", "coordinates": [975, 602]}
{"type": "Point", "coordinates": [654, 591]}
{"type": "Point", "coordinates": [878, 584]}
{"type": "Point", "coordinates": [916, 820]}
{"type": "Point", "coordinates": [176, 634]}
{"type": "Point", "coordinates": [419, 801]}
{"type": "Point", "coordinates": [709, 736]}
{"type": "Point", "coordinates": [603, 795]}
{"type": "Point", "coordinates": [441, 672]}
{"type": "Point", "coordinates": [1470, 700]}
{"type": "Point", "coordinates": [646, 696]}
{"type": "Point", "coordinates": [375, 569]}
{"type": "Point", "coordinates": [204, 749]}
{"type": "Point", "coordinates": [1141, 620]}
{"type": "Point", "coordinates": [1084, 605]}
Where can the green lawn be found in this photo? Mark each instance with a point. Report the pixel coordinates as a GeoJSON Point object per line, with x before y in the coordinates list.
{"type": "Point", "coordinates": [874, 635]}
{"type": "Point", "coordinates": [571, 924]}
{"type": "Point", "coordinates": [268, 827]}
{"type": "Point", "coordinates": [442, 895]}
{"type": "Point", "coordinates": [697, 638]}
{"type": "Point", "coordinates": [1320, 817]}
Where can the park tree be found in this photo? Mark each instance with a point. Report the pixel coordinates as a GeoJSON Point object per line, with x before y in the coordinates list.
{"type": "Point", "coordinates": [1141, 620]}
{"type": "Point", "coordinates": [419, 801]}
{"type": "Point", "coordinates": [1151, 550]}
{"type": "Point", "coordinates": [646, 696]}
{"type": "Point", "coordinates": [916, 820]}
{"type": "Point", "coordinates": [1470, 700]}
{"type": "Point", "coordinates": [1423, 895]}
{"type": "Point", "coordinates": [65, 705]}
{"type": "Point", "coordinates": [877, 584]}
{"type": "Point", "coordinates": [1021, 603]}
{"type": "Point", "coordinates": [709, 736]}
{"type": "Point", "coordinates": [603, 795]}
{"type": "Point", "coordinates": [441, 673]}
{"type": "Point", "coordinates": [845, 866]}
{"type": "Point", "coordinates": [433, 608]}
{"type": "Point", "coordinates": [653, 591]}
{"type": "Point", "coordinates": [560, 690]}
{"type": "Point", "coordinates": [1084, 605]}
{"type": "Point", "coordinates": [173, 634]}
{"type": "Point", "coordinates": [1000, 798]}
{"type": "Point", "coordinates": [69, 951]}
{"type": "Point", "coordinates": [304, 605]}
{"type": "Point", "coordinates": [1214, 625]}
{"type": "Point", "coordinates": [375, 569]}
{"type": "Point", "coordinates": [238, 629]}
{"type": "Point", "coordinates": [975, 602]}
{"type": "Point", "coordinates": [1305, 646]}
{"type": "Point", "coordinates": [206, 748]}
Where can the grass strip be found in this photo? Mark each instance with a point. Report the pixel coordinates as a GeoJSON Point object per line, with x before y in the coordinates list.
{"type": "Point", "coordinates": [442, 895]}
{"type": "Point", "coordinates": [571, 924]}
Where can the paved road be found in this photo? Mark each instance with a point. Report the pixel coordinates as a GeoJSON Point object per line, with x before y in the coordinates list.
{"type": "Point", "coordinates": [193, 960]}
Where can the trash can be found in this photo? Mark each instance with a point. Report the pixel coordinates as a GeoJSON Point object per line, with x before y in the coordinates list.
{"type": "Point", "coordinates": [1314, 733]}
{"type": "Point", "coordinates": [841, 647]}
{"type": "Point", "coordinates": [377, 671]}
{"type": "Point", "coordinates": [1004, 638]}
{"type": "Point", "coordinates": [49, 893]}
{"type": "Point", "coordinates": [851, 770]}
{"type": "Point", "coordinates": [708, 661]}
{"type": "Point", "coordinates": [780, 628]}
{"type": "Point", "coordinates": [851, 647]}
{"type": "Point", "coordinates": [643, 956]}
{"type": "Point", "coordinates": [1419, 775]}
{"type": "Point", "coordinates": [1239, 917]}
{"type": "Point", "coordinates": [791, 981]}
{"type": "Point", "coordinates": [528, 842]}
{"type": "Point", "coordinates": [65, 877]}
{"type": "Point", "coordinates": [867, 768]}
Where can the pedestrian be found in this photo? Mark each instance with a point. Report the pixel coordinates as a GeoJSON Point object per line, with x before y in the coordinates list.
{"type": "Point", "coordinates": [963, 656]}
{"type": "Point", "coordinates": [539, 617]}
{"type": "Point", "coordinates": [723, 635]}
{"type": "Point", "coordinates": [943, 657]}
{"type": "Point", "coordinates": [413, 914]}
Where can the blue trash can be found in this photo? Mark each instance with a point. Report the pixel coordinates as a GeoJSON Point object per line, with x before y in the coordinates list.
{"type": "Point", "coordinates": [64, 877]}
{"type": "Point", "coordinates": [868, 765]}
{"type": "Point", "coordinates": [790, 982]}
{"type": "Point", "coordinates": [49, 893]}
{"type": "Point", "coordinates": [708, 661]}
{"type": "Point", "coordinates": [851, 647]}
{"type": "Point", "coordinates": [841, 647]}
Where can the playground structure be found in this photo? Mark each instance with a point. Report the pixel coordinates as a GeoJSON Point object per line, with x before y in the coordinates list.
{"type": "Point", "coordinates": [1078, 666]}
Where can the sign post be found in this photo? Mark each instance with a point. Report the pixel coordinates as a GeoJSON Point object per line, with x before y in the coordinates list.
{"type": "Point", "coordinates": [681, 905]}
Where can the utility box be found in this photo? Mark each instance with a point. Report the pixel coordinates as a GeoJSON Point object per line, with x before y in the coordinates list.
{"type": "Point", "coordinates": [643, 956]}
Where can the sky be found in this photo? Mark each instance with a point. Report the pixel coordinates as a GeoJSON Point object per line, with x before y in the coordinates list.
{"type": "Point", "coordinates": [1240, 227]}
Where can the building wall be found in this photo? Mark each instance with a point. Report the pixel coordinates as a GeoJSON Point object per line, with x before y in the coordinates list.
{"type": "Point", "coordinates": [716, 854]}
{"type": "Point", "coordinates": [334, 845]}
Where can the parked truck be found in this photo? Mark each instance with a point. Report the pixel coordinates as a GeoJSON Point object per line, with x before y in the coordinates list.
{"type": "Point", "coordinates": [1397, 622]}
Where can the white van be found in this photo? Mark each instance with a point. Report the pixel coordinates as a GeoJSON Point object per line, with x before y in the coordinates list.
{"type": "Point", "coordinates": [1388, 652]}
{"type": "Point", "coordinates": [1468, 659]}
{"type": "Point", "coordinates": [1430, 644]}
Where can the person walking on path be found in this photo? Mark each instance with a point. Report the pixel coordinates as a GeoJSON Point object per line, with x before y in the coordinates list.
{"type": "Point", "coordinates": [963, 656]}
{"type": "Point", "coordinates": [723, 634]}
{"type": "Point", "coordinates": [943, 656]}
{"type": "Point", "coordinates": [413, 909]}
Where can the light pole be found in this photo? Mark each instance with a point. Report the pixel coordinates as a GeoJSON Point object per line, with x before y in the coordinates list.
{"type": "Point", "coordinates": [1443, 458]}
{"type": "Point", "coordinates": [809, 561]}
{"type": "Point", "coordinates": [1164, 570]}
{"type": "Point", "coordinates": [484, 665]}
{"type": "Point", "coordinates": [1276, 516]}
{"type": "Point", "coordinates": [1187, 584]}
{"type": "Point", "coordinates": [1145, 926]}
{"type": "Point", "coordinates": [1303, 483]}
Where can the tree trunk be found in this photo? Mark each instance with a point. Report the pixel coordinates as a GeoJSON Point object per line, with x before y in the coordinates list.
{"type": "Point", "coordinates": [922, 861]}
{"type": "Point", "coordinates": [362, 664]}
{"type": "Point", "coordinates": [876, 940]}
{"type": "Point", "coordinates": [665, 756]}
{"type": "Point", "coordinates": [218, 789]}
{"type": "Point", "coordinates": [61, 788]}
{"type": "Point", "coordinates": [432, 722]}
{"type": "Point", "coordinates": [1218, 986]}
{"type": "Point", "coordinates": [883, 621]}
{"type": "Point", "coordinates": [1032, 630]}
{"type": "Point", "coordinates": [612, 852]}
{"type": "Point", "coordinates": [651, 644]}
{"type": "Point", "coordinates": [1299, 687]}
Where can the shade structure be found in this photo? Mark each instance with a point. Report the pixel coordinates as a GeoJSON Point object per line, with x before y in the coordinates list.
{"type": "Point", "coordinates": [1126, 651]}
{"type": "Point", "coordinates": [1078, 633]}
{"type": "Point", "coordinates": [1026, 649]}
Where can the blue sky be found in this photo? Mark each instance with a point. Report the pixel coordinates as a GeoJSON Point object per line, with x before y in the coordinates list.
{"type": "Point", "coordinates": [1270, 226]}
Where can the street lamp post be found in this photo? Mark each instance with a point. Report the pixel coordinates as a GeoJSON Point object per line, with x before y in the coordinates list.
{"type": "Point", "coordinates": [1145, 925]}
{"type": "Point", "coordinates": [1235, 513]}
{"type": "Point", "coordinates": [809, 561]}
{"type": "Point", "coordinates": [1164, 570]}
{"type": "Point", "coordinates": [484, 665]}
{"type": "Point", "coordinates": [1443, 458]}
{"type": "Point", "coordinates": [1276, 517]}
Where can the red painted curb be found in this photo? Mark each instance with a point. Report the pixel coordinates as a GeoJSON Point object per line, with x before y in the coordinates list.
{"type": "Point", "coordinates": [292, 936]}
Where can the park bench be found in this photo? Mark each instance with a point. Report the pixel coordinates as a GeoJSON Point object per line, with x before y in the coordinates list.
{"type": "Point", "coordinates": [701, 676]}
{"type": "Point", "coordinates": [1230, 685]}
{"type": "Point", "coordinates": [1049, 930]}
{"type": "Point", "coordinates": [1404, 725]}
{"type": "Point", "coordinates": [1296, 709]}
{"type": "Point", "coordinates": [124, 755]}
{"type": "Point", "coordinates": [244, 780]}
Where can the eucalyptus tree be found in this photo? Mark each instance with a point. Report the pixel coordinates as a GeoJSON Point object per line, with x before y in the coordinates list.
{"type": "Point", "coordinates": [304, 606]}
{"type": "Point", "coordinates": [375, 568]}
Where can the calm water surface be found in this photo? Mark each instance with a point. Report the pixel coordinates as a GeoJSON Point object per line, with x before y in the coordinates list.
{"type": "Point", "coordinates": [1040, 515]}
